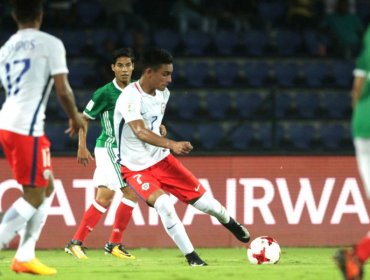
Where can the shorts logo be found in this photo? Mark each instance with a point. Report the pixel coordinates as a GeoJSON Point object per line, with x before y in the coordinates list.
{"type": "Point", "coordinates": [47, 174]}
{"type": "Point", "coordinates": [197, 188]}
{"type": "Point", "coordinates": [145, 186]}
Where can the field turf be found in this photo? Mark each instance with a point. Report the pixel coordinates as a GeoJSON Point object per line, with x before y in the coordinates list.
{"type": "Point", "coordinates": [163, 264]}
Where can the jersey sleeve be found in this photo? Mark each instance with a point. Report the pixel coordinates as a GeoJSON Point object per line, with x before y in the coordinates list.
{"type": "Point", "coordinates": [361, 66]}
{"type": "Point", "coordinates": [362, 62]}
{"type": "Point", "coordinates": [57, 57]}
{"type": "Point", "coordinates": [130, 106]}
{"type": "Point", "coordinates": [96, 105]}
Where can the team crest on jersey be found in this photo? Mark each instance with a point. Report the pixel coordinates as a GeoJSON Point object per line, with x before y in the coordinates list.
{"type": "Point", "coordinates": [163, 107]}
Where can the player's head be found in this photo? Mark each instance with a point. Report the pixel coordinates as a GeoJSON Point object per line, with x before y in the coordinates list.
{"type": "Point", "coordinates": [157, 67]}
{"type": "Point", "coordinates": [27, 13]}
{"type": "Point", "coordinates": [123, 65]}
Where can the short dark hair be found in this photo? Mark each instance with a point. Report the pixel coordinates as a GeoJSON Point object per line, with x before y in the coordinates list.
{"type": "Point", "coordinates": [27, 10]}
{"type": "Point", "coordinates": [154, 57]}
{"type": "Point", "coordinates": [123, 52]}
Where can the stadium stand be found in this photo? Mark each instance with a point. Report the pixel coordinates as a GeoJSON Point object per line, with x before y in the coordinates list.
{"type": "Point", "coordinates": [268, 86]}
{"type": "Point", "coordinates": [210, 135]}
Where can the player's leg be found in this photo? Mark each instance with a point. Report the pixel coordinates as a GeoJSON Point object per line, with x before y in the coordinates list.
{"type": "Point", "coordinates": [28, 212]}
{"type": "Point", "coordinates": [175, 228]}
{"type": "Point", "coordinates": [350, 262]}
{"type": "Point", "coordinates": [104, 196]}
{"type": "Point", "coordinates": [122, 218]}
{"type": "Point", "coordinates": [184, 185]}
{"type": "Point", "coordinates": [89, 220]}
{"type": "Point", "coordinates": [25, 260]}
{"type": "Point", "coordinates": [157, 198]}
{"type": "Point", "coordinates": [362, 149]}
{"type": "Point", "coordinates": [31, 233]}
{"type": "Point", "coordinates": [208, 204]}
{"type": "Point", "coordinates": [108, 171]}
{"type": "Point", "coordinates": [16, 217]}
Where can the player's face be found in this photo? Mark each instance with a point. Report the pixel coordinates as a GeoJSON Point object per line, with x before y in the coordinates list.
{"type": "Point", "coordinates": [123, 70]}
{"type": "Point", "coordinates": [162, 76]}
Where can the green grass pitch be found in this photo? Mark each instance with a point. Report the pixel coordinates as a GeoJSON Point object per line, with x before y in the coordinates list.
{"type": "Point", "coordinates": [163, 264]}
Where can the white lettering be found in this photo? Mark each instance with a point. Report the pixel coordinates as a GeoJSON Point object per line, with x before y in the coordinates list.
{"type": "Point", "coordinates": [350, 188]}
{"type": "Point", "coordinates": [64, 208]}
{"type": "Point", "coordinates": [231, 197]}
{"type": "Point", "coordinates": [262, 203]}
{"type": "Point", "coordinates": [305, 198]}
{"type": "Point", "coordinates": [89, 187]}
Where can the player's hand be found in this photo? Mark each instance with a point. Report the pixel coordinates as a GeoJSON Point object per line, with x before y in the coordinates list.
{"type": "Point", "coordinates": [181, 148]}
{"type": "Point", "coordinates": [163, 130]}
{"type": "Point", "coordinates": [75, 124]}
{"type": "Point", "coordinates": [84, 156]}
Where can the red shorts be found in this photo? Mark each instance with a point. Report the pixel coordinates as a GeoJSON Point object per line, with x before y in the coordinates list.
{"type": "Point", "coordinates": [28, 156]}
{"type": "Point", "coordinates": [169, 175]}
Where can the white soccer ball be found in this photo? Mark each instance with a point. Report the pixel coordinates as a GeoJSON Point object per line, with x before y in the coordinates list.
{"type": "Point", "coordinates": [264, 250]}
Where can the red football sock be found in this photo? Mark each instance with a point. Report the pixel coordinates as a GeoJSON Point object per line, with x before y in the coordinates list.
{"type": "Point", "coordinates": [89, 221]}
{"type": "Point", "coordinates": [362, 249]}
{"type": "Point", "coordinates": [121, 220]}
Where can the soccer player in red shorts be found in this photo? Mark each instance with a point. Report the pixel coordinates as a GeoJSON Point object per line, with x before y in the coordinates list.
{"type": "Point", "coordinates": [30, 61]}
{"type": "Point", "coordinates": [147, 165]}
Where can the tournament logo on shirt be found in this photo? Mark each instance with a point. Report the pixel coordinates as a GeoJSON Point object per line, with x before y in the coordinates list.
{"type": "Point", "coordinates": [130, 107]}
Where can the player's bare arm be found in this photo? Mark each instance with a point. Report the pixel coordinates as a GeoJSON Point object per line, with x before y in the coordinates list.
{"type": "Point", "coordinates": [358, 83]}
{"type": "Point", "coordinates": [147, 136]}
{"type": "Point", "coordinates": [66, 98]}
{"type": "Point", "coordinates": [83, 154]}
{"type": "Point", "coordinates": [163, 130]}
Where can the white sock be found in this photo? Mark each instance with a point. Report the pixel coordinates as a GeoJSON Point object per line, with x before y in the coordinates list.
{"type": "Point", "coordinates": [172, 224]}
{"type": "Point", "coordinates": [31, 233]}
{"type": "Point", "coordinates": [14, 220]}
{"type": "Point", "coordinates": [128, 202]}
{"type": "Point", "coordinates": [208, 204]}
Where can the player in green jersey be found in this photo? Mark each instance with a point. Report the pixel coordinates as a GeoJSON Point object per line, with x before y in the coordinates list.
{"type": "Point", "coordinates": [351, 262]}
{"type": "Point", "coordinates": [107, 176]}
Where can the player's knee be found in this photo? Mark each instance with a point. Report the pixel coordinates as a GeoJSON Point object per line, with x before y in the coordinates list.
{"type": "Point", "coordinates": [164, 205]}
{"type": "Point", "coordinates": [34, 196]}
{"type": "Point", "coordinates": [129, 194]}
{"type": "Point", "coordinates": [50, 188]}
{"type": "Point", "coordinates": [104, 196]}
{"type": "Point", "coordinates": [152, 199]}
{"type": "Point", "coordinates": [104, 201]}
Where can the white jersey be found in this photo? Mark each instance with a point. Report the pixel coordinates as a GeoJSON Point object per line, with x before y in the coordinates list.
{"type": "Point", "coordinates": [134, 104]}
{"type": "Point", "coordinates": [28, 60]}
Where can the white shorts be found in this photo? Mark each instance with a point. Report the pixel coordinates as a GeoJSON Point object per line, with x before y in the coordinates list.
{"type": "Point", "coordinates": [108, 171]}
{"type": "Point", "coordinates": [362, 149]}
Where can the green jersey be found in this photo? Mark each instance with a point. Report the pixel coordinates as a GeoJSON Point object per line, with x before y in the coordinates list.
{"type": "Point", "coordinates": [361, 114]}
{"type": "Point", "coordinates": [102, 105]}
